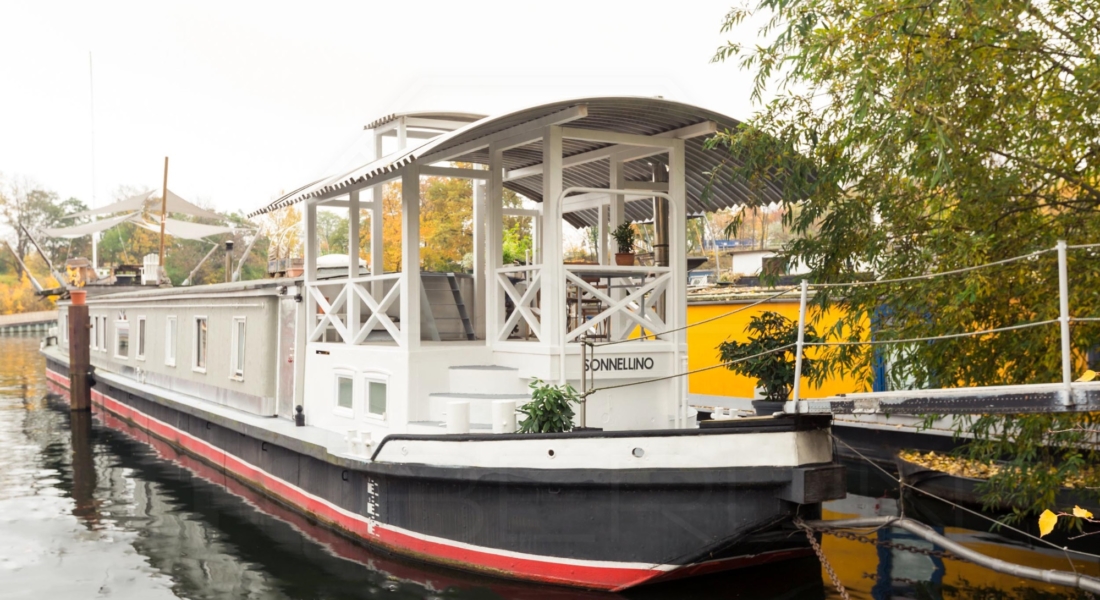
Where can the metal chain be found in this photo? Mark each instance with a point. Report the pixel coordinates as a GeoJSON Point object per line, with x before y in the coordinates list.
{"type": "Point", "coordinates": [942, 554]}
{"type": "Point", "coordinates": [821, 557]}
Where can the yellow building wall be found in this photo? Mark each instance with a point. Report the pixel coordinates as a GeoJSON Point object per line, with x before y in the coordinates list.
{"type": "Point", "coordinates": [703, 343]}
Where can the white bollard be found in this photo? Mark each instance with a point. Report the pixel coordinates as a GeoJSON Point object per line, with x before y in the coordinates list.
{"type": "Point", "coordinates": [504, 416]}
{"type": "Point", "coordinates": [458, 416]}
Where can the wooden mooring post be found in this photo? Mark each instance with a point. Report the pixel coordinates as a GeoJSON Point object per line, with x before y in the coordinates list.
{"type": "Point", "coordinates": [80, 393]}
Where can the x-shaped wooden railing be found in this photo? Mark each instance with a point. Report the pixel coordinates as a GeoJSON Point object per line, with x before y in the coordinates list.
{"type": "Point", "coordinates": [636, 306]}
{"type": "Point", "coordinates": [355, 291]}
{"type": "Point", "coordinates": [525, 304]}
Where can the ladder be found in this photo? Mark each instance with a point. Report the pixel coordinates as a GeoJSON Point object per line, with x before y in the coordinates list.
{"type": "Point", "coordinates": [461, 307]}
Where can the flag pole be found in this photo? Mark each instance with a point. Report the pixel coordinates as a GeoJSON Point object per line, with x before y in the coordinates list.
{"type": "Point", "coordinates": [163, 215]}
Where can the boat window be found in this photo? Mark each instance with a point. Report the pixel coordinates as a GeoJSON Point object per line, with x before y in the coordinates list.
{"type": "Point", "coordinates": [141, 338]}
{"type": "Point", "coordinates": [376, 398]}
{"type": "Point", "coordinates": [170, 341]}
{"type": "Point", "coordinates": [65, 329]}
{"type": "Point", "coordinates": [344, 392]}
{"type": "Point", "coordinates": [199, 354]}
{"type": "Point", "coordinates": [93, 339]}
{"type": "Point", "coordinates": [236, 367]}
{"type": "Point", "coordinates": [122, 339]}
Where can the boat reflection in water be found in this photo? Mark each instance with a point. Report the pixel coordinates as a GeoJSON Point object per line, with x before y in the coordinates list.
{"type": "Point", "coordinates": [241, 542]}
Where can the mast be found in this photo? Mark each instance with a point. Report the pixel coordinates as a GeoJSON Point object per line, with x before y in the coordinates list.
{"type": "Point", "coordinates": [163, 217]}
{"type": "Point", "coordinates": [91, 105]}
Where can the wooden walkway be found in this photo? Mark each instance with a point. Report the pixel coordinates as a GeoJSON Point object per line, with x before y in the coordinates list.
{"type": "Point", "coordinates": [28, 322]}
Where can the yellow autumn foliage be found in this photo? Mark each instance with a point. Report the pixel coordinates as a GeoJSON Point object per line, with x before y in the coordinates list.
{"type": "Point", "coordinates": [963, 467]}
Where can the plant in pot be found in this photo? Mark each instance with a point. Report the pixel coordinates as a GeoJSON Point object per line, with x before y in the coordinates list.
{"type": "Point", "coordinates": [774, 371]}
{"type": "Point", "coordinates": [624, 238]}
{"type": "Point", "coordinates": [550, 409]}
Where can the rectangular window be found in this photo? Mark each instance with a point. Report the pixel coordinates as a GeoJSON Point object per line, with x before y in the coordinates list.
{"type": "Point", "coordinates": [64, 329]}
{"type": "Point", "coordinates": [141, 338]}
{"type": "Point", "coordinates": [376, 398]}
{"type": "Point", "coordinates": [122, 339]}
{"type": "Point", "coordinates": [236, 354]}
{"type": "Point", "coordinates": [199, 353]}
{"type": "Point", "coordinates": [170, 341]}
{"type": "Point", "coordinates": [93, 339]}
{"type": "Point", "coordinates": [344, 392]}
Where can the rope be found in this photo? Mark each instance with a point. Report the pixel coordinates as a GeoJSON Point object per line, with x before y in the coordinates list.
{"type": "Point", "coordinates": [1085, 319]}
{"type": "Point", "coordinates": [725, 364]}
{"type": "Point", "coordinates": [721, 316]}
{"type": "Point", "coordinates": [1082, 246]}
{"type": "Point", "coordinates": [936, 337]}
{"type": "Point", "coordinates": [934, 275]}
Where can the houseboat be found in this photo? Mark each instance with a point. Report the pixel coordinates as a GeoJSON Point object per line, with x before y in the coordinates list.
{"type": "Point", "coordinates": [384, 404]}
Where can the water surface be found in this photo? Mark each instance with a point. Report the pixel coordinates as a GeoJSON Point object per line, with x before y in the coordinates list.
{"type": "Point", "coordinates": [90, 509]}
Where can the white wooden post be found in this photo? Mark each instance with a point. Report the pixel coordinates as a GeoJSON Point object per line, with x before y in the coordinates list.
{"type": "Point", "coordinates": [377, 245]}
{"type": "Point", "coordinates": [476, 308]}
{"type": "Point", "coordinates": [494, 255]}
{"type": "Point", "coordinates": [601, 235]}
{"type": "Point", "coordinates": [617, 214]}
{"type": "Point", "coordinates": [799, 345]}
{"type": "Point", "coordinates": [553, 272]}
{"type": "Point", "coordinates": [310, 271]}
{"type": "Point", "coordinates": [352, 299]}
{"type": "Point", "coordinates": [410, 257]}
{"type": "Point", "coordinates": [377, 241]}
{"type": "Point", "coordinates": [676, 293]}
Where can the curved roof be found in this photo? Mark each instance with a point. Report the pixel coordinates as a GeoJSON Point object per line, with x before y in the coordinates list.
{"type": "Point", "coordinates": [634, 115]}
{"type": "Point", "coordinates": [443, 116]}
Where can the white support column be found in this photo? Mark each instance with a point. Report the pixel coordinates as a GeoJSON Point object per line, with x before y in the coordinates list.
{"type": "Point", "coordinates": [616, 215]}
{"type": "Point", "coordinates": [601, 235]}
{"type": "Point", "coordinates": [410, 257]}
{"type": "Point", "coordinates": [676, 295]}
{"type": "Point", "coordinates": [550, 242]}
{"type": "Point", "coordinates": [353, 234]}
{"type": "Point", "coordinates": [375, 194]}
{"type": "Point", "coordinates": [402, 134]}
{"type": "Point", "coordinates": [310, 271]}
{"type": "Point", "coordinates": [476, 307]}
{"type": "Point", "coordinates": [352, 300]}
{"type": "Point", "coordinates": [377, 241]}
{"type": "Point", "coordinates": [494, 244]}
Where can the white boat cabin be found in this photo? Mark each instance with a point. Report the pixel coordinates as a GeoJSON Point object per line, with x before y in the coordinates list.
{"type": "Point", "coordinates": [417, 352]}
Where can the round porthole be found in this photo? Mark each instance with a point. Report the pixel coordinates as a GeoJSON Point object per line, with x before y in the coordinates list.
{"type": "Point", "coordinates": [404, 451]}
{"type": "Point", "coordinates": [638, 453]}
{"type": "Point", "coordinates": [550, 453]}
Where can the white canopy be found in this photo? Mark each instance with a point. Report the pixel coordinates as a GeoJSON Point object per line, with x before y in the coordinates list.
{"type": "Point", "coordinates": [87, 228]}
{"type": "Point", "coordinates": [147, 201]}
{"type": "Point", "coordinates": [184, 229]}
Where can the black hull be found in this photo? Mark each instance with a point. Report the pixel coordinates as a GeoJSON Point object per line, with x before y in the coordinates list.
{"type": "Point", "coordinates": [574, 527]}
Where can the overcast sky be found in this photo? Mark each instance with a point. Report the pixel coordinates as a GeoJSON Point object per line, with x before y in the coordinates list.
{"type": "Point", "coordinates": [249, 99]}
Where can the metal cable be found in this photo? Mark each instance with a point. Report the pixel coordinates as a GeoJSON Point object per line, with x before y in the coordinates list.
{"type": "Point", "coordinates": [934, 275]}
{"type": "Point", "coordinates": [959, 506]}
{"type": "Point", "coordinates": [690, 325]}
{"type": "Point", "coordinates": [1084, 319]}
{"type": "Point", "coordinates": [1082, 246]}
{"type": "Point", "coordinates": [936, 337]}
{"type": "Point", "coordinates": [725, 364]}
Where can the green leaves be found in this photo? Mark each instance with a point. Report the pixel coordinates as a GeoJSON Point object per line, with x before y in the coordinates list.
{"type": "Point", "coordinates": [549, 410]}
{"type": "Point", "coordinates": [918, 137]}
{"type": "Point", "coordinates": [774, 371]}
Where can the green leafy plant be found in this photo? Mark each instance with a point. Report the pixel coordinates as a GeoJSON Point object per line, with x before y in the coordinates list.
{"type": "Point", "coordinates": [549, 410]}
{"type": "Point", "coordinates": [624, 237]}
{"type": "Point", "coordinates": [774, 371]}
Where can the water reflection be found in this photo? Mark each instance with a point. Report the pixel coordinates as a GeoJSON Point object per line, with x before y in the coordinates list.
{"type": "Point", "coordinates": [89, 506]}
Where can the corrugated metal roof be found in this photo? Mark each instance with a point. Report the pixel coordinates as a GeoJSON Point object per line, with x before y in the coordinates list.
{"type": "Point", "coordinates": [442, 116]}
{"type": "Point", "coordinates": [642, 116]}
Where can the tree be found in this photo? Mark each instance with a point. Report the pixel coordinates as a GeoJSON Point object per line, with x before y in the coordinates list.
{"type": "Point", "coordinates": [332, 232]}
{"type": "Point", "coordinates": [919, 137]}
{"type": "Point", "coordinates": [284, 231]}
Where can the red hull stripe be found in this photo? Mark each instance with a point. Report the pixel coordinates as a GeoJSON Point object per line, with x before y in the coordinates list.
{"type": "Point", "coordinates": [589, 574]}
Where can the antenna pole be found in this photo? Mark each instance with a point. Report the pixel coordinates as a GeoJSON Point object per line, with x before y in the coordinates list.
{"type": "Point", "coordinates": [91, 105]}
{"type": "Point", "coordinates": [163, 215]}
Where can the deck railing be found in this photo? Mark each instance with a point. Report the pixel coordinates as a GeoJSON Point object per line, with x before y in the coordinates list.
{"type": "Point", "coordinates": [339, 306]}
{"type": "Point", "coordinates": [521, 285]}
{"type": "Point", "coordinates": [627, 299]}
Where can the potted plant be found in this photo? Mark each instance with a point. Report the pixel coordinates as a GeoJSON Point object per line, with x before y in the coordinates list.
{"type": "Point", "coordinates": [774, 371]}
{"type": "Point", "coordinates": [549, 410]}
{"type": "Point", "coordinates": [624, 237]}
